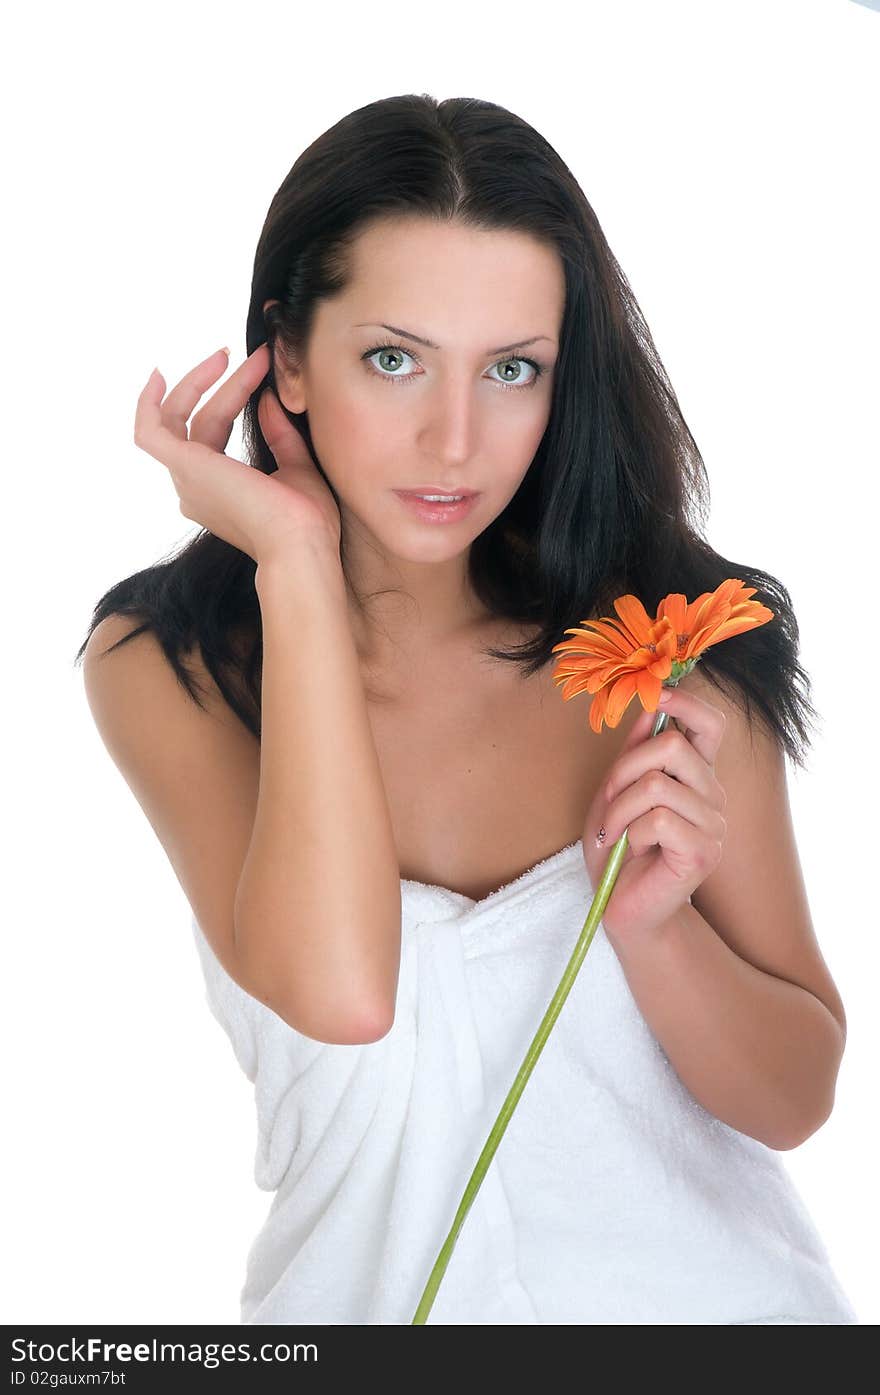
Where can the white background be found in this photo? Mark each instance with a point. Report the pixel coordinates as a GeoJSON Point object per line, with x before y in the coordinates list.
{"type": "Point", "coordinates": [730, 155]}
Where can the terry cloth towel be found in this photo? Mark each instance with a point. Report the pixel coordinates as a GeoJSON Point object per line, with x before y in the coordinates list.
{"type": "Point", "coordinates": [613, 1197]}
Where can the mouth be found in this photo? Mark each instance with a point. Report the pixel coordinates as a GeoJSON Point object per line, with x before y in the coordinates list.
{"type": "Point", "coordinates": [433, 506]}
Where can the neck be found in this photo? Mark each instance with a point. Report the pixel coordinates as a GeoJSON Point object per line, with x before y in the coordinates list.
{"type": "Point", "coordinates": [400, 610]}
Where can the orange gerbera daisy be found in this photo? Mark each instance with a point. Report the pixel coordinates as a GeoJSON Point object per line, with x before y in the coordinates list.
{"type": "Point", "coordinates": [618, 659]}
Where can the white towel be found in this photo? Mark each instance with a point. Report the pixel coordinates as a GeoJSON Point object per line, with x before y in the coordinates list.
{"type": "Point", "coordinates": [613, 1198]}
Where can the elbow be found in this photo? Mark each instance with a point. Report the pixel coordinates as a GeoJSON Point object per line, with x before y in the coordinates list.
{"type": "Point", "coordinates": [810, 1124]}
{"type": "Point", "coordinates": [379, 1028]}
{"type": "Point", "coordinates": [342, 1025]}
{"type": "Point", "coordinates": [797, 1136]}
{"type": "Point", "coordinates": [339, 1023]}
{"type": "Point", "coordinates": [790, 1141]}
{"type": "Point", "coordinates": [317, 1009]}
{"type": "Point", "coordinates": [336, 1023]}
{"type": "Point", "coordinates": [345, 1024]}
{"type": "Point", "coordinates": [351, 1030]}
{"type": "Point", "coordinates": [374, 1026]}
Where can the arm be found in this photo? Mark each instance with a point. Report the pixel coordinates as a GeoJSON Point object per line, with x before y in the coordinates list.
{"type": "Point", "coordinates": [317, 910]}
{"type": "Point", "coordinates": [757, 1051]}
{"type": "Point", "coordinates": [734, 986]}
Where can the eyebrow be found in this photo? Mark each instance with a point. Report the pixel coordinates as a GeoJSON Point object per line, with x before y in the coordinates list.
{"type": "Point", "coordinates": [428, 344]}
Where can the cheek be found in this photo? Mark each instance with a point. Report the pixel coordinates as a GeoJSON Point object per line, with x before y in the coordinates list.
{"type": "Point", "coordinates": [516, 438]}
{"type": "Point", "coordinates": [349, 435]}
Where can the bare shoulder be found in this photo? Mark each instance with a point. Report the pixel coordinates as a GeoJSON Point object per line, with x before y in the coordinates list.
{"type": "Point", "coordinates": [194, 769]}
{"type": "Point", "coordinates": [122, 652]}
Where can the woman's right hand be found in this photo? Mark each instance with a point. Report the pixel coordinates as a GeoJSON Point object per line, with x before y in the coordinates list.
{"type": "Point", "coordinates": [262, 515]}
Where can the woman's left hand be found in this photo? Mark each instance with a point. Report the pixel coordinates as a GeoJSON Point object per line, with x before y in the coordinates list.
{"type": "Point", "coordinates": [663, 791]}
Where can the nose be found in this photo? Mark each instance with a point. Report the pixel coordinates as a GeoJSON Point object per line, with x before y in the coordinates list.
{"type": "Point", "coordinates": [449, 426]}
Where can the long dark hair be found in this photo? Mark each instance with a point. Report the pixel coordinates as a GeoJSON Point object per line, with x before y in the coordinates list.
{"type": "Point", "coordinates": [616, 496]}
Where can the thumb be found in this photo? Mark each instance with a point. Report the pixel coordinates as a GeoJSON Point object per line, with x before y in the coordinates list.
{"type": "Point", "coordinates": [282, 437]}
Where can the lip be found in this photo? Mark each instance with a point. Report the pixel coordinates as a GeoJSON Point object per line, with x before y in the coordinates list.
{"type": "Point", "coordinates": [434, 512]}
{"type": "Point", "coordinates": [438, 489]}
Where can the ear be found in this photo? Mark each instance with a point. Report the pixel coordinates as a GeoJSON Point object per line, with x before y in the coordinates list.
{"type": "Point", "coordinates": [289, 385]}
{"type": "Point", "coordinates": [288, 380]}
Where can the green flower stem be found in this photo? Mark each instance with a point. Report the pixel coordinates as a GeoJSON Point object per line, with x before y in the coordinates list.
{"type": "Point", "coordinates": [600, 901]}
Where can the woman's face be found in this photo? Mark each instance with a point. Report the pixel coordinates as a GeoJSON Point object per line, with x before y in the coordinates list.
{"type": "Point", "coordinates": [459, 416]}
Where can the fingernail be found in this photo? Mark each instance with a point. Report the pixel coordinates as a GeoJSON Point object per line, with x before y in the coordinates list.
{"type": "Point", "coordinates": [224, 351]}
{"type": "Point", "coordinates": [665, 695]}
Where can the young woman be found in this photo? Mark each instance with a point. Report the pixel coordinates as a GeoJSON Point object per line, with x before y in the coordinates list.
{"type": "Point", "coordinates": [336, 708]}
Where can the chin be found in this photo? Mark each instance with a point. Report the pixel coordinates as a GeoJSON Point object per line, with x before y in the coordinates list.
{"type": "Point", "coordinates": [431, 549]}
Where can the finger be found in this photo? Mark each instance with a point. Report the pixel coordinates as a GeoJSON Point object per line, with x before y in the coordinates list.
{"type": "Point", "coordinates": [684, 850]}
{"type": "Point", "coordinates": [671, 754]}
{"type": "Point", "coordinates": [659, 791]}
{"type": "Point", "coordinates": [180, 402]}
{"type": "Point", "coordinates": [150, 432]}
{"type": "Point", "coordinates": [703, 721]}
{"type": "Point", "coordinates": [183, 398]}
{"type": "Point", "coordinates": [637, 736]}
{"type": "Point", "coordinates": [641, 729]}
{"type": "Point", "coordinates": [212, 423]}
{"type": "Point", "coordinates": [640, 732]}
{"type": "Point", "coordinates": [152, 435]}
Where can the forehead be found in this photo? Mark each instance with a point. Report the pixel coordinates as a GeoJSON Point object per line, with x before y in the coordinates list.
{"type": "Point", "coordinates": [441, 278]}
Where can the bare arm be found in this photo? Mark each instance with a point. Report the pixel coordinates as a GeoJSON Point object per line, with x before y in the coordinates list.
{"type": "Point", "coordinates": [284, 847]}
{"type": "Point", "coordinates": [742, 968]}
{"type": "Point", "coordinates": [760, 1053]}
{"type": "Point", "coordinates": [317, 911]}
